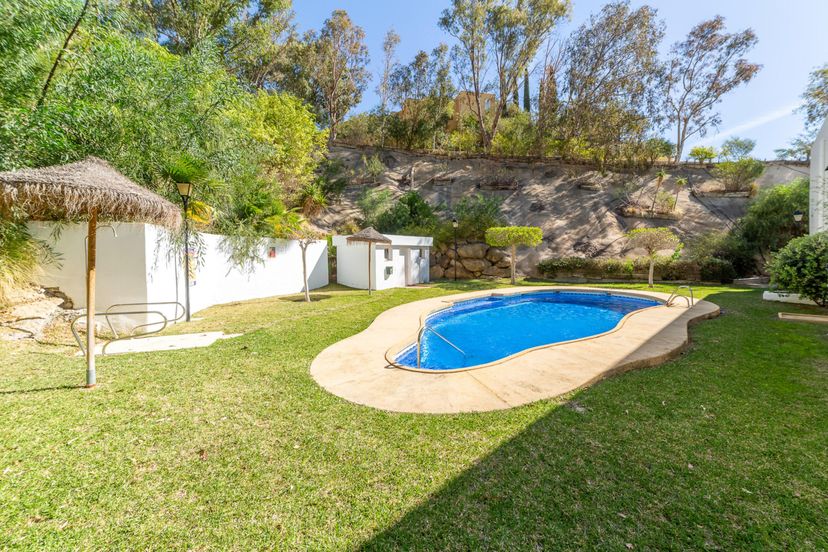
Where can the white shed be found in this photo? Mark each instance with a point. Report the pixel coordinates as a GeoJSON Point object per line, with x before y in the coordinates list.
{"type": "Point", "coordinates": [403, 262]}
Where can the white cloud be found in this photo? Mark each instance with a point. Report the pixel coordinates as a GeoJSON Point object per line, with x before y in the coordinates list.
{"type": "Point", "coordinates": [741, 128]}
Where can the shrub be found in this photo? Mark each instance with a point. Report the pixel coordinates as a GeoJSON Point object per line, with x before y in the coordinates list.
{"type": "Point", "coordinates": [312, 199]}
{"type": "Point", "coordinates": [739, 175]}
{"type": "Point", "coordinates": [359, 130]}
{"type": "Point", "coordinates": [727, 246]}
{"type": "Point", "coordinates": [372, 167]}
{"type": "Point", "coordinates": [21, 258]}
{"type": "Point", "coordinates": [331, 176]}
{"type": "Point", "coordinates": [372, 203]}
{"type": "Point", "coordinates": [802, 267]}
{"type": "Point", "coordinates": [515, 136]}
{"type": "Point", "coordinates": [768, 224]}
{"type": "Point", "coordinates": [410, 214]}
{"type": "Point", "coordinates": [667, 267]}
{"type": "Point", "coordinates": [658, 148]}
{"type": "Point", "coordinates": [702, 153]}
{"type": "Point", "coordinates": [717, 270]}
{"type": "Point", "coordinates": [665, 202]}
{"type": "Point", "coordinates": [474, 214]}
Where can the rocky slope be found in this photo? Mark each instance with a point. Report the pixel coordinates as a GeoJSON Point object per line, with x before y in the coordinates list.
{"type": "Point", "coordinates": [575, 205]}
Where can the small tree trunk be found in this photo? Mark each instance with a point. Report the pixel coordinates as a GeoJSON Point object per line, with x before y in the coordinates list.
{"type": "Point", "coordinates": [514, 261]}
{"type": "Point", "coordinates": [304, 248]}
{"type": "Point", "coordinates": [652, 269]}
{"type": "Point", "coordinates": [59, 57]}
{"type": "Point", "coordinates": [655, 196]}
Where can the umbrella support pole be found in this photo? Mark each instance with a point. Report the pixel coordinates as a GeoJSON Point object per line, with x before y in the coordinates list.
{"type": "Point", "coordinates": [90, 299]}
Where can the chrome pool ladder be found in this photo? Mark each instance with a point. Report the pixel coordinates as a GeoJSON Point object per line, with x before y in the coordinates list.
{"type": "Point", "coordinates": [162, 323]}
{"type": "Point", "coordinates": [435, 332]}
{"type": "Point", "coordinates": [675, 295]}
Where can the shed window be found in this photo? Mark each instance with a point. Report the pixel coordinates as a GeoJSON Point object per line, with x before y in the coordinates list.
{"type": "Point", "coordinates": [389, 253]}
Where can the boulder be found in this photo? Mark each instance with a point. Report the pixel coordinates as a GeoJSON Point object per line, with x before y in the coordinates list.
{"type": "Point", "coordinates": [506, 262]}
{"type": "Point", "coordinates": [495, 272]}
{"type": "Point", "coordinates": [462, 272]}
{"type": "Point", "coordinates": [436, 272]}
{"type": "Point", "coordinates": [495, 255]}
{"type": "Point", "coordinates": [472, 251]}
{"type": "Point", "coordinates": [475, 265]}
{"type": "Point", "coordinates": [445, 260]}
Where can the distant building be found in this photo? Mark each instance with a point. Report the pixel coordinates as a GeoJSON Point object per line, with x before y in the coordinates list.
{"type": "Point", "coordinates": [818, 199]}
{"type": "Point", "coordinates": [464, 105]}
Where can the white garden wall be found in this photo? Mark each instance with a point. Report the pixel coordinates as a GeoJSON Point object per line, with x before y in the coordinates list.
{"type": "Point", "coordinates": [818, 215]}
{"type": "Point", "coordinates": [140, 265]}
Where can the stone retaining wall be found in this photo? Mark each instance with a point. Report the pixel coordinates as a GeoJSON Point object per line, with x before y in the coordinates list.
{"type": "Point", "coordinates": [475, 260]}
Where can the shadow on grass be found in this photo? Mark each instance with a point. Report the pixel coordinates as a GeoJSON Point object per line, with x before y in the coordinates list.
{"type": "Point", "coordinates": [40, 389]}
{"type": "Point", "coordinates": [637, 463]}
{"type": "Point", "coordinates": [301, 298]}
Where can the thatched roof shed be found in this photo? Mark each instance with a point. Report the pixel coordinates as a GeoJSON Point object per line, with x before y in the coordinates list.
{"type": "Point", "coordinates": [85, 190]}
{"type": "Point", "coordinates": [75, 191]}
{"type": "Point", "coordinates": [368, 235]}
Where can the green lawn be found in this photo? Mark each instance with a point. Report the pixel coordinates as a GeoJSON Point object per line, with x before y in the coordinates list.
{"type": "Point", "coordinates": [235, 446]}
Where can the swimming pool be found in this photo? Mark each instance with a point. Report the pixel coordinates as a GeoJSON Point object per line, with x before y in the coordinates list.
{"type": "Point", "coordinates": [481, 331]}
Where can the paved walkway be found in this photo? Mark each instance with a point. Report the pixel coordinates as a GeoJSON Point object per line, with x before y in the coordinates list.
{"type": "Point", "coordinates": [356, 369]}
{"type": "Point", "coordinates": [140, 344]}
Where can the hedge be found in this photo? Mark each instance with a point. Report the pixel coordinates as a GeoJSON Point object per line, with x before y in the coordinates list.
{"type": "Point", "coordinates": [665, 267]}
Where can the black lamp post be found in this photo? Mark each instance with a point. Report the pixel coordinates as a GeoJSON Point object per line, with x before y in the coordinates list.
{"type": "Point", "coordinates": [184, 190]}
{"type": "Point", "coordinates": [454, 225]}
{"type": "Point", "coordinates": [797, 216]}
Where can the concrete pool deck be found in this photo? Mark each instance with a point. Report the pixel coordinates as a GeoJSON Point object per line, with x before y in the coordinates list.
{"type": "Point", "coordinates": [356, 368]}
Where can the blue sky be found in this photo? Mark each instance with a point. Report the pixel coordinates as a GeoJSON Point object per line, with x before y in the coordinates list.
{"type": "Point", "coordinates": [792, 42]}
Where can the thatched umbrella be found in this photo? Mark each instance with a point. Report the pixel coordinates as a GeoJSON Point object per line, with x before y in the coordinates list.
{"type": "Point", "coordinates": [369, 236]}
{"type": "Point", "coordinates": [86, 190]}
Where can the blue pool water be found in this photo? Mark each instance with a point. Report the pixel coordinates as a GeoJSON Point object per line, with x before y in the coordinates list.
{"type": "Point", "coordinates": [492, 328]}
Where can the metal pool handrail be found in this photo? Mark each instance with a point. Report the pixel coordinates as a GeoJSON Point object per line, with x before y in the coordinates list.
{"type": "Point", "coordinates": [432, 330]}
{"type": "Point", "coordinates": [675, 295]}
{"type": "Point", "coordinates": [164, 322]}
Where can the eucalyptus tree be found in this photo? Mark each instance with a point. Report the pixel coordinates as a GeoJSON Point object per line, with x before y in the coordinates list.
{"type": "Point", "coordinates": [497, 40]}
{"type": "Point", "coordinates": [253, 35]}
{"type": "Point", "coordinates": [611, 69]}
{"type": "Point", "coordinates": [181, 25]}
{"type": "Point", "coordinates": [423, 89]}
{"type": "Point", "coordinates": [389, 49]}
{"type": "Point", "coordinates": [815, 108]}
{"type": "Point", "coordinates": [34, 37]}
{"type": "Point", "coordinates": [702, 68]}
{"type": "Point", "coordinates": [334, 64]}
{"type": "Point", "coordinates": [815, 100]}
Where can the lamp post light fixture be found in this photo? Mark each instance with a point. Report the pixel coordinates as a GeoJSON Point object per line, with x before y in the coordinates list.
{"type": "Point", "coordinates": [454, 224]}
{"type": "Point", "coordinates": [797, 216]}
{"type": "Point", "coordinates": [184, 190]}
